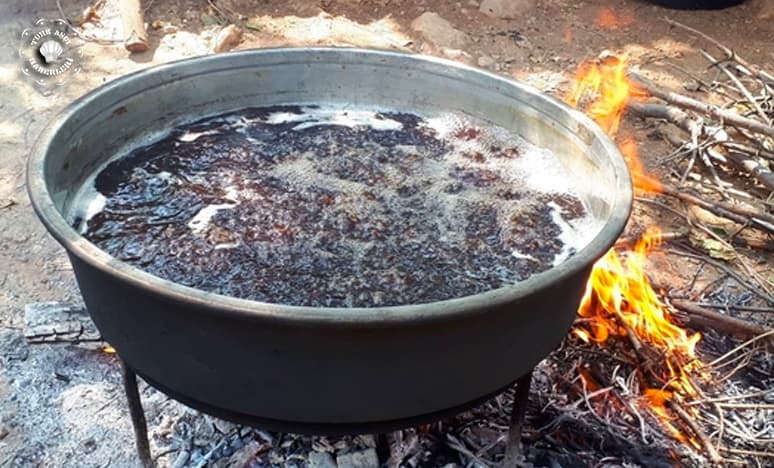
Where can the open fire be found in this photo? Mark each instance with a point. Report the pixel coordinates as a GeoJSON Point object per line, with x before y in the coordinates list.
{"type": "Point", "coordinates": [620, 299]}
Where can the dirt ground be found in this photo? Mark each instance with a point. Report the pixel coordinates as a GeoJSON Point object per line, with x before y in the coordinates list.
{"type": "Point", "coordinates": [542, 47]}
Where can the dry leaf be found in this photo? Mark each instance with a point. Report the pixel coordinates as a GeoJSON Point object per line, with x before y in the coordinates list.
{"type": "Point", "coordinates": [716, 223]}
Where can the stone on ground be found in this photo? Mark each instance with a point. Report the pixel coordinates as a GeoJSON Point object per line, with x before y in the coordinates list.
{"type": "Point", "coordinates": [506, 9]}
{"type": "Point", "coordinates": [486, 61]}
{"type": "Point", "coordinates": [439, 31]}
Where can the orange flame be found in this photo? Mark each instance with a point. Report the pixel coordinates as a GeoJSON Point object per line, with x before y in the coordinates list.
{"type": "Point", "coordinates": [604, 82]}
{"type": "Point", "coordinates": [602, 90]}
{"type": "Point", "coordinates": [619, 289]}
{"type": "Point", "coordinates": [608, 19]}
{"type": "Point", "coordinates": [619, 297]}
{"type": "Point", "coordinates": [657, 401]}
{"type": "Point", "coordinates": [640, 177]}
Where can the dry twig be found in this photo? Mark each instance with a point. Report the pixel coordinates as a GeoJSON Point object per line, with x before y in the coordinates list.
{"type": "Point", "coordinates": [739, 213]}
{"type": "Point", "coordinates": [688, 419]}
{"type": "Point", "coordinates": [763, 336]}
{"type": "Point", "coordinates": [710, 110]}
{"type": "Point", "coordinates": [744, 396]}
{"type": "Point", "coordinates": [705, 318]}
{"type": "Point", "coordinates": [742, 281]}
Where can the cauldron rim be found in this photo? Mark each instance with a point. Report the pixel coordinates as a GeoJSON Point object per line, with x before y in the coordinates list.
{"type": "Point", "coordinates": [77, 245]}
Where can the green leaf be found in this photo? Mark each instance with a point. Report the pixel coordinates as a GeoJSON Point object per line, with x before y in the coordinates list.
{"type": "Point", "coordinates": [718, 230]}
{"type": "Point", "coordinates": [713, 247]}
{"type": "Point", "coordinates": [253, 26]}
{"type": "Point", "coordinates": [209, 20]}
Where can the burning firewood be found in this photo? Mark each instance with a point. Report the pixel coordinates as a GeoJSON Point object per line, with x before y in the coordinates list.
{"type": "Point", "coordinates": [620, 300]}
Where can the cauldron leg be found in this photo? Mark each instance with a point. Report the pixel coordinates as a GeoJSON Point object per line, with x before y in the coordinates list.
{"type": "Point", "coordinates": [137, 414]}
{"type": "Point", "coordinates": [513, 450]}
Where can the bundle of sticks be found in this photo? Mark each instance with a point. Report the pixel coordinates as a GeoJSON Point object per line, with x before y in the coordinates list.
{"type": "Point", "coordinates": [732, 132]}
{"type": "Point", "coordinates": [729, 134]}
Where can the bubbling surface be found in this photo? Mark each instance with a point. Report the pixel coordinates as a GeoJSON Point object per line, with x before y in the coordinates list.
{"type": "Point", "coordinates": [336, 207]}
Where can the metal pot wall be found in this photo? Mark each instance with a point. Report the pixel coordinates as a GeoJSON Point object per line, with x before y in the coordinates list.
{"type": "Point", "coordinates": [321, 369]}
{"type": "Point", "coordinates": [697, 4]}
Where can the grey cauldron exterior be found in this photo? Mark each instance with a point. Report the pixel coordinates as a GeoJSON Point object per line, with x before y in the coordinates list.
{"type": "Point", "coordinates": [321, 369]}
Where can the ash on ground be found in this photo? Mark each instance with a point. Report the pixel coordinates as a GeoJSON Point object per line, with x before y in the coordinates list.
{"type": "Point", "coordinates": [335, 207]}
{"type": "Point", "coordinates": [78, 391]}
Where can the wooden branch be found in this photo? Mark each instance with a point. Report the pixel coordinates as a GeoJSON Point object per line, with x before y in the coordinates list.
{"type": "Point", "coordinates": [514, 452]}
{"type": "Point", "coordinates": [135, 34]}
{"type": "Point", "coordinates": [631, 240]}
{"type": "Point", "coordinates": [701, 317]}
{"type": "Point", "coordinates": [731, 118]}
{"type": "Point", "coordinates": [740, 214]}
{"type": "Point", "coordinates": [665, 112]}
{"type": "Point", "coordinates": [746, 149]}
{"type": "Point", "coordinates": [742, 162]}
{"type": "Point", "coordinates": [637, 346]}
{"type": "Point", "coordinates": [689, 421]}
{"type": "Point", "coordinates": [743, 308]}
{"type": "Point", "coordinates": [738, 240]}
{"type": "Point", "coordinates": [752, 453]}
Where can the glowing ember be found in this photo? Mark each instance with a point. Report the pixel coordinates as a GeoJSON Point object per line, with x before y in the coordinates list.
{"type": "Point", "coordinates": [619, 298]}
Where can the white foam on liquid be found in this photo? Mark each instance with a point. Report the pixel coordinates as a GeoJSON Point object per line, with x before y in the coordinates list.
{"type": "Point", "coordinates": [190, 136]}
{"type": "Point", "coordinates": [312, 117]}
{"type": "Point", "coordinates": [201, 220]}
{"type": "Point", "coordinates": [575, 234]}
{"type": "Point", "coordinates": [517, 254]}
{"type": "Point", "coordinates": [536, 169]}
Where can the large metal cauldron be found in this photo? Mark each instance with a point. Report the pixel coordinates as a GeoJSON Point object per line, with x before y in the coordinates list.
{"type": "Point", "coordinates": [321, 369]}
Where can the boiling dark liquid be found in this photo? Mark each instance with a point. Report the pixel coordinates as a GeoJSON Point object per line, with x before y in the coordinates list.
{"type": "Point", "coordinates": [280, 205]}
